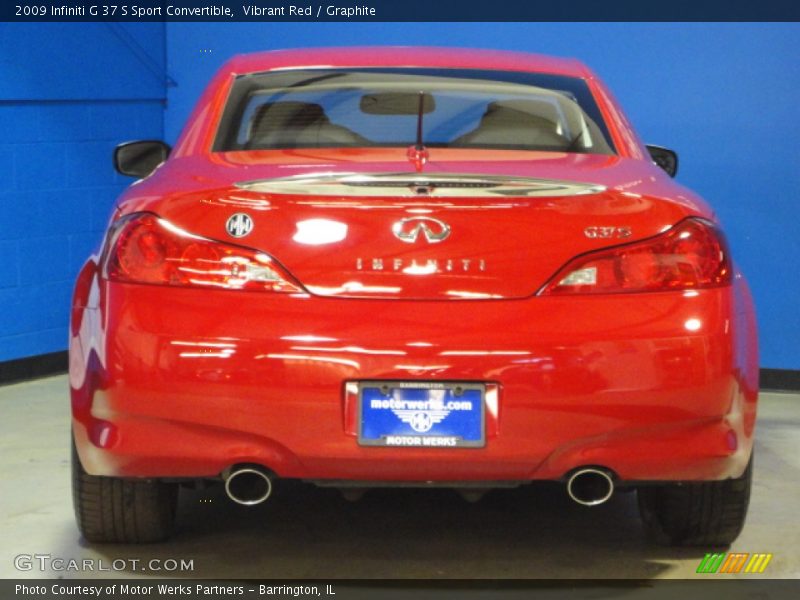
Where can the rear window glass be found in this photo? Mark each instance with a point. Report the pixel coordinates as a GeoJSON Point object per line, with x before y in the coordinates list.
{"type": "Point", "coordinates": [342, 108]}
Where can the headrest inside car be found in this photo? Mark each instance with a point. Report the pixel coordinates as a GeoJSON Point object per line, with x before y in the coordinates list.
{"type": "Point", "coordinates": [523, 112]}
{"type": "Point", "coordinates": [275, 116]}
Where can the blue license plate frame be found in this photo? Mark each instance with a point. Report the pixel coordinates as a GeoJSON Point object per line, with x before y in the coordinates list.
{"type": "Point", "coordinates": [422, 414]}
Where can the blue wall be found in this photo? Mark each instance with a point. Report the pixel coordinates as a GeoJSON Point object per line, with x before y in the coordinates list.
{"type": "Point", "coordinates": [68, 94]}
{"type": "Point", "coordinates": [726, 96]}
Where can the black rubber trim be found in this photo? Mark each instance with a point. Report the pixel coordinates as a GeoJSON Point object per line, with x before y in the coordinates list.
{"type": "Point", "coordinates": [781, 380]}
{"type": "Point", "coordinates": [33, 367]}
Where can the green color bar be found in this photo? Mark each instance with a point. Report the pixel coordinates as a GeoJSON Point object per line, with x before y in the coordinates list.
{"type": "Point", "coordinates": [710, 563]}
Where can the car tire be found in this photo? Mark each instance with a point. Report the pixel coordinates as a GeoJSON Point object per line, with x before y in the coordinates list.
{"type": "Point", "coordinates": [710, 513]}
{"type": "Point", "coordinates": [116, 510]}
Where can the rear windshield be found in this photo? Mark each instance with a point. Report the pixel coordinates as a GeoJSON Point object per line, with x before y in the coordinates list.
{"type": "Point", "coordinates": [458, 108]}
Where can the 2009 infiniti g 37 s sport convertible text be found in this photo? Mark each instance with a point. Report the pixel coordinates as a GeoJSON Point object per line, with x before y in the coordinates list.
{"type": "Point", "coordinates": [395, 266]}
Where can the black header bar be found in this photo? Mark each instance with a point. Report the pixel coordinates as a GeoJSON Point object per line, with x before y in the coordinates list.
{"type": "Point", "coordinates": [271, 11]}
{"type": "Point", "coordinates": [337, 589]}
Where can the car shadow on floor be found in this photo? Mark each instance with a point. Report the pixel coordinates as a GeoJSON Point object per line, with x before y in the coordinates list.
{"type": "Point", "coordinates": [304, 531]}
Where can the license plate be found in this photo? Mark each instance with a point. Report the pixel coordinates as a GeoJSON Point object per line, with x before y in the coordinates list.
{"type": "Point", "coordinates": [421, 414]}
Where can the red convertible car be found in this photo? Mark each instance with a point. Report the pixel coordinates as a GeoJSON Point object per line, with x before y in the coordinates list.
{"type": "Point", "coordinates": [366, 267]}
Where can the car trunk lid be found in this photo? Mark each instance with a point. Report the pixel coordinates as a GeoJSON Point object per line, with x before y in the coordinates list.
{"type": "Point", "coordinates": [458, 230]}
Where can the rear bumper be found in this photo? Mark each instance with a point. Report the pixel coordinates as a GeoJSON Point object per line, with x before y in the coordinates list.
{"type": "Point", "coordinates": [170, 382]}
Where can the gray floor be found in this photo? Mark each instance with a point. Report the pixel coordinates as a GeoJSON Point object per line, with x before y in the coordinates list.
{"type": "Point", "coordinates": [309, 532]}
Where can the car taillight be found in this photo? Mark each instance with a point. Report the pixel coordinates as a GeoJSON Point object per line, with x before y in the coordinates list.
{"type": "Point", "coordinates": [144, 248]}
{"type": "Point", "coordinates": [693, 254]}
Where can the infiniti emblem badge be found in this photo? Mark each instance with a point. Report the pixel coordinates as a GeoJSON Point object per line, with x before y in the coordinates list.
{"type": "Point", "coordinates": [239, 225]}
{"type": "Point", "coordinates": [410, 228]}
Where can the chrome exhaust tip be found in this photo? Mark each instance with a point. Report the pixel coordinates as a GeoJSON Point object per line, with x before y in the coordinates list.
{"type": "Point", "coordinates": [590, 486]}
{"type": "Point", "coordinates": [248, 486]}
